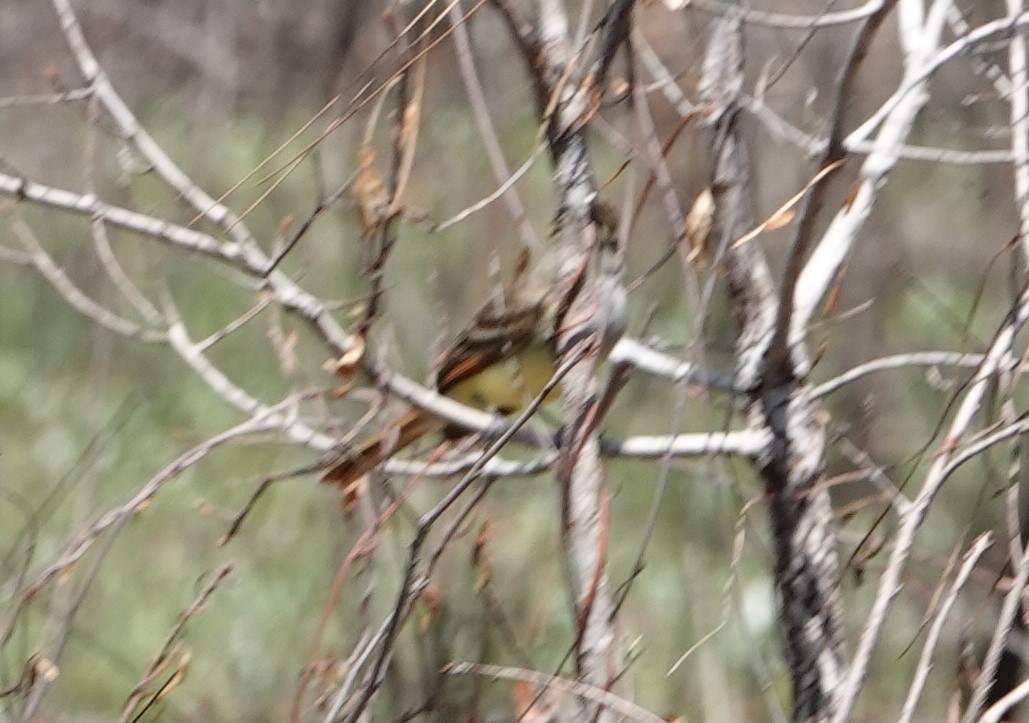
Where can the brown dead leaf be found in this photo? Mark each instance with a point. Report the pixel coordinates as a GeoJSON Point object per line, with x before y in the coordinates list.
{"type": "Point", "coordinates": [368, 192]}
{"type": "Point", "coordinates": [347, 363]}
{"type": "Point", "coordinates": [479, 559]}
{"type": "Point", "coordinates": [430, 597]}
{"type": "Point", "coordinates": [620, 88]}
{"type": "Point", "coordinates": [834, 291]}
{"type": "Point", "coordinates": [407, 134]}
{"type": "Point", "coordinates": [851, 195]}
{"type": "Point", "coordinates": [780, 219]}
{"type": "Point", "coordinates": [177, 677]}
{"type": "Point", "coordinates": [409, 123]}
{"type": "Point", "coordinates": [786, 207]}
{"type": "Point", "coordinates": [352, 495]}
{"type": "Point", "coordinates": [698, 226]}
{"type": "Point", "coordinates": [342, 390]}
{"type": "Point", "coordinates": [823, 347]}
{"type": "Point", "coordinates": [594, 97]}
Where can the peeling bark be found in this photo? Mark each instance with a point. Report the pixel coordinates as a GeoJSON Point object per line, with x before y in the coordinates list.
{"type": "Point", "coordinates": [567, 85]}
{"type": "Point", "coordinates": [780, 400]}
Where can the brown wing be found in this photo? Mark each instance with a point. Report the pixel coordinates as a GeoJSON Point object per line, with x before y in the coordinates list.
{"type": "Point", "coordinates": [355, 463]}
{"type": "Point", "coordinates": [491, 339]}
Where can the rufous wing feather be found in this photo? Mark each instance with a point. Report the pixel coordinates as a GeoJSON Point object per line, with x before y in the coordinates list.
{"type": "Point", "coordinates": [358, 462]}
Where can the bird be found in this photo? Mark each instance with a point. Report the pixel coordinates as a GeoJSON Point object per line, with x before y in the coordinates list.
{"type": "Point", "coordinates": [507, 355]}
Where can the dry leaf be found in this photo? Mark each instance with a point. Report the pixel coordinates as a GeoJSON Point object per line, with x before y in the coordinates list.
{"type": "Point", "coordinates": [368, 192]}
{"type": "Point", "coordinates": [620, 87]}
{"type": "Point", "coordinates": [409, 124]}
{"type": "Point", "coordinates": [851, 195]}
{"type": "Point", "coordinates": [481, 538]}
{"type": "Point", "coordinates": [780, 219]}
{"type": "Point", "coordinates": [698, 225]}
{"type": "Point", "coordinates": [823, 347]}
{"type": "Point", "coordinates": [430, 597]}
{"type": "Point", "coordinates": [834, 293]}
{"type": "Point", "coordinates": [341, 391]}
{"type": "Point", "coordinates": [352, 495]}
{"type": "Point", "coordinates": [786, 207]}
{"type": "Point", "coordinates": [347, 363]}
{"type": "Point", "coordinates": [594, 97]}
{"type": "Point", "coordinates": [176, 679]}
{"type": "Point", "coordinates": [407, 134]}
{"type": "Point", "coordinates": [482, 573]}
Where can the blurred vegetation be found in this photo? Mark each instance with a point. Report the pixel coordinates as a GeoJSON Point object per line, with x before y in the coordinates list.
{"type": "Point", "coordinates": [88, 417]}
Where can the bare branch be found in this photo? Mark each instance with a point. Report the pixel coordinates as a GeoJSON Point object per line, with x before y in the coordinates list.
{"type": "Point", "coordinates": [804, 284]}
{"type": "Point", "coordinates": [925, 660]}
{"type": "Point", "coordinates": [1012, 601]}
{"type": "Point", "coordinates": [74, 296]}
{"type": "Point", "coordinates": [74, 551]}
{"type": "Point", "coordinates": [779, 401]}
{"type": "Point", "coordinates": [132, 131]}
{"type": "Point", "coordinates": [1019, 98]}
{"type": "Point", "coordinates": [995, 713]}
{"type": "Point", "coordinates": [234, 395]}
{"type": "Point", "coordinates": [910, 523]}
{"type": "Point", "coordinates": [781, 20]}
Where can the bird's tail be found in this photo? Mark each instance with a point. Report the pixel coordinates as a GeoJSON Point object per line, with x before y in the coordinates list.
{"type": "Point", "coordinates": [362, 460]}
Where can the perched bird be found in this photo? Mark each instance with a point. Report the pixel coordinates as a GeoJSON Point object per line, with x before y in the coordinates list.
{"type": "Point", "coordinates": [507, 355]}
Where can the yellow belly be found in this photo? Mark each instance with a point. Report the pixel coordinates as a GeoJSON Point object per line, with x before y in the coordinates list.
{"type": "Point", "coordinates": [509, 385]}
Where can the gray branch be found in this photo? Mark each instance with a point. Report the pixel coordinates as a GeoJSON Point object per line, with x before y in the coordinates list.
{"type": "Point", "coordinates": [779, 401]}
